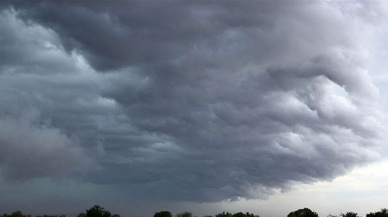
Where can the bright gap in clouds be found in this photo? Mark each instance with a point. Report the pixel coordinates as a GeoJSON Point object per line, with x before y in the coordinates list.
{"type": "Point", "coordinates": [364, 190]}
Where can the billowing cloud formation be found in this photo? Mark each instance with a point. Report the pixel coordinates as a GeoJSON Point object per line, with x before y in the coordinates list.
{"type": "Point", "coordinates": [200, 101]}
{"type": "Point", "coordinates": [30, 145]}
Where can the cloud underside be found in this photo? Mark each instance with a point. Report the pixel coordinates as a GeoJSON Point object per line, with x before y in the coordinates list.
{"type": "Point", "coordinates": [186, 100]}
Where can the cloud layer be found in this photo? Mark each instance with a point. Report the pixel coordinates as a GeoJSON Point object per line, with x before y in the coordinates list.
{"type": "Point", "coordinates": [190, 100]}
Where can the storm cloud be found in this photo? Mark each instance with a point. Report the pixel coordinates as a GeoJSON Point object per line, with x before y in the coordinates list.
{"type": "Point", "coordinates": [194, 101]}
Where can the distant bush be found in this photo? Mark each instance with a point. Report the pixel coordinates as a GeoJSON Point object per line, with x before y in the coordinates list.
{"type": "Point", "coordinates": [184, 214]}
{"type": "Point", "coordinates": [349, 214]}
{"type": "Point", "coordinates": [305, 212]}
{"type": "Point", "coordinates": [163, 214]}
{"type": "Point", "coordinates": [97, 211]}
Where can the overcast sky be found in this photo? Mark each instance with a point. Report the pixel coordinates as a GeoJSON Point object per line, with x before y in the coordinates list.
{"type": "Point", "coordinates": [201, 106]}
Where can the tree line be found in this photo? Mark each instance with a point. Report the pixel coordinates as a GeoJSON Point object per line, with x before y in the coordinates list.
{"type": "Point", "coordinates": [98, 211]}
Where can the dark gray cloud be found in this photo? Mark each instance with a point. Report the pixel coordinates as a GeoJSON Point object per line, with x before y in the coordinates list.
{"type": "Point", "coordinates": [31, 151]}
{"type": "Point", "coordinates": [198, 101]}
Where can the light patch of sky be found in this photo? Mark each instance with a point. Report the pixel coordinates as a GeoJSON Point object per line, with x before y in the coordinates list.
{"type": "Point", "coordinates": [338, 90]}
{"type": "Point", "coordinates": [363, 190]}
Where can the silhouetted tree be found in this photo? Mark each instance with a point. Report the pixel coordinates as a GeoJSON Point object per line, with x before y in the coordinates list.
{"type": "Point", "coordinates": [163, 214]}
{"type": "Point", "coordinates": [82, 214]}
{"type": "Point", "coordinates": [184, 214]}
{"type": "Point", "coordinates": [349, 214]}
{"type": "Point", "coordinates": [224, 214]}
{"type": "Point", "coordinates": [17, 214]}
{"type": "Point", "coordinates": [247, 214]}
{"type": "Point", "coordinates": [382, 213]}
{"type": "Point", "coordinates": [305, 212]}
{"type": "Point", "coordinates": [116, 215]}
{"type": "Point", "coordinates": [97, 211]}
{"type": "Point", "coordinates": [239, 214]}
{"type": "Point", "coordinates": [48, 215]}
